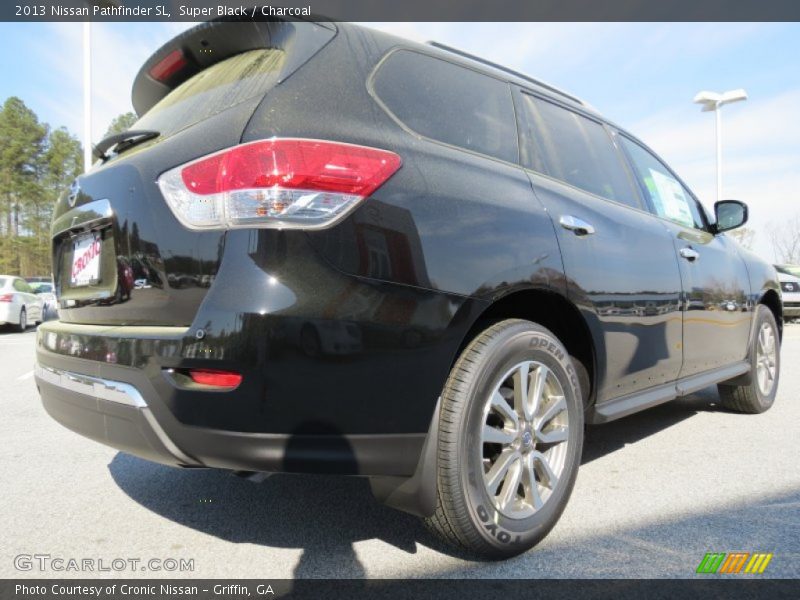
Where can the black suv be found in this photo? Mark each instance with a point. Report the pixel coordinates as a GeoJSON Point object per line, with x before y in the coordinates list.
{"type": "Point", "coordinates": [327, 249]}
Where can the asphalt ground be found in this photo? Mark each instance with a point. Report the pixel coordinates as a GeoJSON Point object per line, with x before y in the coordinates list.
{"type": "Point", "coordinates": [656, 491]}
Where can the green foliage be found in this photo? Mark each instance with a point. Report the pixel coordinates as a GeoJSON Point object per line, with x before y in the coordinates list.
{"type": "Point", "coordinates": [121, 123]}
{"type": "Point", "coordinates": [36, 165]}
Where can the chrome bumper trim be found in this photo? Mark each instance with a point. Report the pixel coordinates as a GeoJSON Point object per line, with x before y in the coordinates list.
{"type": "Point", "coordinates": [96, 387]}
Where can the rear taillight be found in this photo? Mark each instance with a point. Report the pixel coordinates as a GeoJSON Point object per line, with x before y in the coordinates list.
{"type": "Point", "coordinates": [211, 377]}
{"type": "Point", "coordinates": [280, 183]}
{"type": "Point", "coordinates": [6, 297]}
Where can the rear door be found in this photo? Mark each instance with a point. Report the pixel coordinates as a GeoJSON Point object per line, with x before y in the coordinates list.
{"type": "Point", "coordinates": [717, 314]}
{"type": "Point", "coordinates": [33, 307]}
{"type": "Point", "coordinates": [619, 260]}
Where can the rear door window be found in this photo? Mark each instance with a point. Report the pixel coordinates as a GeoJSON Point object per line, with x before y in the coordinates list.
{"type": "Point", "coordinates": [572, 148]}
{"type": "Point", "coordinates": [449, 103]}
{"type": "Point", "coordinates": [215, 89]}
{"type": "Point", "coordinates": [668, 197]}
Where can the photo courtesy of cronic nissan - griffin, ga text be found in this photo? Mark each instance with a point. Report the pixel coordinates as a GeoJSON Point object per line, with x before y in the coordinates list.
{"type": "Point", "coordinates": [324, 249]}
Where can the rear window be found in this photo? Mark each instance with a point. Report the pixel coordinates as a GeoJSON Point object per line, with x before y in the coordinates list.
{"type": "Point", "coordinates": [449, 103]}
{"type": "Point", "coordinates": [215, 89]}
{"type": "Point", "coordinates": [3, 282]}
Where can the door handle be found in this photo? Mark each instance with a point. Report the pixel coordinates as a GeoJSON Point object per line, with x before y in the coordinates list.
{"type": "Point", "coordinates": [689, 254]}
{"type": "Point", "coordinates": [576, 225]}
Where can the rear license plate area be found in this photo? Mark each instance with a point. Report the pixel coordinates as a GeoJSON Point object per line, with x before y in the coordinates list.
{"type": "Point", "coordinates": [86, 254]}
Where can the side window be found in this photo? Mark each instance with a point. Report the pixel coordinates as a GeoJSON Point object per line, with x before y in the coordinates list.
{"type": "Point", "coordinates": [668, 198]}
{"type": "Point", "coordinates": [22, 286]}
{"type": "Point", "coordinates": [449, 103]}
{"type": "Point", "coordinates": [574, 149]}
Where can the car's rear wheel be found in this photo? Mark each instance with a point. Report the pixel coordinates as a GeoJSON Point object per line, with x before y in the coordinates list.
{"type": "Point", "coordinates": [758, 395]}
{"type": "Point", "coordinates": [23, 320]}
{"type": "Point", "coordinates": [510, 439]}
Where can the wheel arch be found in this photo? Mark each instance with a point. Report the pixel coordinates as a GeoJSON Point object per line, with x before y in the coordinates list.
{"type": "Point", "coordinates": [551, 310]}
{"type": "Point", "coordinates": [772, 301]}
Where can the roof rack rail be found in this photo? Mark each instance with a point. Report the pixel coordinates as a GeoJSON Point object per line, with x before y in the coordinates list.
{"type": "Point", "coordinates": [494, 65]}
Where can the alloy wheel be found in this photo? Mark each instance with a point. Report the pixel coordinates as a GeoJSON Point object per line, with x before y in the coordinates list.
{"type": "Point", "coordinates": [766, 359]}
{"type": "Point", "coordinates": [524, 439]}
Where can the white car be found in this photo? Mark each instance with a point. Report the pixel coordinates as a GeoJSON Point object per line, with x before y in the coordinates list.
{"type": "Point", "coordinates": [790, 290]}
{"type": "Point", "coordinates": [45, 291]}
{"type": "Point", "coordinates": [19, 305]}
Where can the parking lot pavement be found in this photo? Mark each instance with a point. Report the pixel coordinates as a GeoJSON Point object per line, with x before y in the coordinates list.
{"type": "Point", "coordinates": [655, 493]}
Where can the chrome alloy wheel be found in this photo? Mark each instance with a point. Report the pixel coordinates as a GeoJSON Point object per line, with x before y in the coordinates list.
{"type": "Point", "coordinates": [766, 359]}
{"type": "Point", "coordinates": [524, 439]}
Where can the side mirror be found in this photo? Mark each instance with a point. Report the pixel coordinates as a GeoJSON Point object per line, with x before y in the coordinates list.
{"type": "Point", "coordinates": [730, 215]}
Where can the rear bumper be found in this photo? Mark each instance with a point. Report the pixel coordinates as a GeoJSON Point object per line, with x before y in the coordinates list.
{"type": "Point", "coordinates": [9, 313]}
{"type": "Point", "coordinates": [118, 406]}
{"type": "Point", "coordinates": [111, 412]}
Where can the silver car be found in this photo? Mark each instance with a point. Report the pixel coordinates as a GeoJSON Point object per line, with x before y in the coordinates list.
{"type": "Point", "coordinates": [19, 305]}
{"type": "Point", "coordinates": [789, 276]}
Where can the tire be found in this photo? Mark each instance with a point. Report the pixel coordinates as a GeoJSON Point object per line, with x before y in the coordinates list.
{"type": "Point", "coordinates": [467, 513]}
{"type": "Point", "coordinates": [23, 320]}
{"type": "Point", "coordinates": [755, 397]}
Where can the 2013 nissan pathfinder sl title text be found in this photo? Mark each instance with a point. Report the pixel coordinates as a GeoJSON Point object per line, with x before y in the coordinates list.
{"type": "Point", "coordinates": [326, 249]}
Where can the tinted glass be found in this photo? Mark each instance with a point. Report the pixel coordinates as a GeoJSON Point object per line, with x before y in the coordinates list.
{"type": "Point", "coordinates": [668, 197]}
{"type": "Point", "coordinates": [221, 86]}
{"type": "Point", "coordinates": [574, 149]}
{"type": "Point", "coordinates": [449, 103]}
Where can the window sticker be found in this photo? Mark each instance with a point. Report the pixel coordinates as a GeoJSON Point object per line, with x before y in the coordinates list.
{"type": "Point", "coordinates": [669, 198]}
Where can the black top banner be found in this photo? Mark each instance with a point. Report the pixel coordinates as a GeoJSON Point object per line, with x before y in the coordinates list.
{"type": "Point", "coordinates": [402, 10]}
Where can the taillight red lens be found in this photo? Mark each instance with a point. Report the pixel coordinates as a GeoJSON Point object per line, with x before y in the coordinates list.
{"type": "Point", "coordinates": [6, 297]}
{"type": "Point", "coordinates": [293, 164]}
{"type": "Point", "coordinates": [215, 378]}
{"type": "Point", "coordinates": [276, 183]}
{"type": "Point", "coordinates": [168, 66]}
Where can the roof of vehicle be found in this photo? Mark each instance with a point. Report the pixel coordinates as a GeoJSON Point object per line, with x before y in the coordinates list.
{"type": "Point", "coordinates": [514, 76]}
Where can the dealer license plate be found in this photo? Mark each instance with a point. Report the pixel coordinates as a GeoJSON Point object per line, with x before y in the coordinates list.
{"type": "Point", "coordinates": [86, 260]}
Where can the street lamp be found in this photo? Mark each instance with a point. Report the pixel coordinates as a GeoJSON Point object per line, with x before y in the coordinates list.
{"type": "Point", "coordinates": [87, 96]}
{"type": "Point", "coordinates": [87, 82]}
{"type": "Point", "coordinates": [714, 101]}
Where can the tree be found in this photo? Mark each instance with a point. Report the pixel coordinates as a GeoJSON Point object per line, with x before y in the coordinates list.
{"type": "Point", "coordinates": [121, 123]}
{"type": "Point", "coordinates": [786, 240]}
{"type": "Point", "coordinates": [60, 163]}
{"type": "Point", "coordinates": [743, 235]}
{"type": "Point", "coordinates": [36, 165]}
{"type": "Point", "coordinates": [23, 141]}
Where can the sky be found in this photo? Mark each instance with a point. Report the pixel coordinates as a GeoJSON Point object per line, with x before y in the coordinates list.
{"type": "Point", "coordinates": [642, 76]}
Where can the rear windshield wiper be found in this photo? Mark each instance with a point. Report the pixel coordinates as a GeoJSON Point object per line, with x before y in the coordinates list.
{"type": "Point", "coordinates": [122, 141]}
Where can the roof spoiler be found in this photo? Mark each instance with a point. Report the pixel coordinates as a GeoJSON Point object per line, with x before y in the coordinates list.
{"type": "Point", "coordinates": [208, 43]}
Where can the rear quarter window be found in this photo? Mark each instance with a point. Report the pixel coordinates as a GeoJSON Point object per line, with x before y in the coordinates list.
{"type": "Point", "coordinates": [574, 149]}
{"type": "Point", "coordinates": [215, 89]}
{"type": "Point", "coordinates": [449, 103]}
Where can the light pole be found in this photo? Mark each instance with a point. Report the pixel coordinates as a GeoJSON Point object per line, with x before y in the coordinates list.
{"type": "Point", "coordinates": [713, 101]}
{"type": "Point", "coordinates": [87, 96]}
